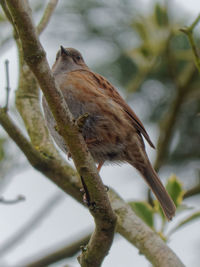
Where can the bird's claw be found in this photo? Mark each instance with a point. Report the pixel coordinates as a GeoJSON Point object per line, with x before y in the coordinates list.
{"type": "Point", "coordinates": [69, 155]}
{"type": "Point", "coordinates": [80, 121]}
{"type": "Point", "coordinates": [86, 201]}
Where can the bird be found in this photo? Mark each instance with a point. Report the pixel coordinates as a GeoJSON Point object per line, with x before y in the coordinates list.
{"type": "Point", "coordinates": [112, 131]}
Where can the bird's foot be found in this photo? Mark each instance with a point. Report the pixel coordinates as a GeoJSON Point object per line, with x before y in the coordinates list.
{"type": "Point", "coordinates": [69, 155]}
{"type": "Point", "coordinates": [86, 196]}
{"type": "Point", "coordinates": [99, 166]}
{"type": "Point", "coordinates": [86, 200]}
{"type": "Point", "coordinates": [80, 121]}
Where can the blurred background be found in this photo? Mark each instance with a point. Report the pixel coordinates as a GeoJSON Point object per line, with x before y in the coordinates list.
{"type": "Point", "coordinates": [139, 47]}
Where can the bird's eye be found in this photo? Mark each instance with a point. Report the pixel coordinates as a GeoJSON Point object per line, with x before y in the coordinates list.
{"type": "Point", "coordinates": [78, 57]}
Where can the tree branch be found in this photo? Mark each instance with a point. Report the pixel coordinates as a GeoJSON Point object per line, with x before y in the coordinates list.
{"type": "Point", "coordinates": [167, 124]}
{"type": "Point", "coordinates": [31, 224]}
{"type": "Point", "coordinates": [54, 168]}
{"type": "Point", "coordinates": [12, 201]}
{"type": "Point", "coordinates": [140, 235]}
{"type": "Point", "coordinates": [27, 100]}
{"type": "Point", "coordinates": [189, 32]}
{"type": "Point", "coordinates": [128, 225]}
{"type": "Point", "coordinates": [66, 178]}
{"type": "Point", "coordinates": [192, 191]}
{"type": "Point", "coordinates": [55, 255]}
{"type": "Point", "coordinates": [34, 55]}
{"type": "Point", "coordinates": [7, 84]}
{"type": "Point", "coordinates": [46, 16]}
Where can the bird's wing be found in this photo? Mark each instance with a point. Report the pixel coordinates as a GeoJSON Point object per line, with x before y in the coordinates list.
{"type": "Point", "coordinates": [109, 90]}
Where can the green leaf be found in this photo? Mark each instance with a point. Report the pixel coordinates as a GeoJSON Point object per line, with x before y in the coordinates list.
{"type": "Point", "coordinates": [145, 51]}
{"type": "Point", "coordinates": [161, 15]}
{"type": "Point", "coordinates": [175, 189]}
{"type": "Point", "coordinates": [2, 152]}
{"type": "Point", "coordinates": [141, 30]}
{"type": "Point", "coordinates": [144, 211]}
{"type": "Point", "coordinates": [158, 209]}
{"type": "Point", "coordinates": [186, 221]}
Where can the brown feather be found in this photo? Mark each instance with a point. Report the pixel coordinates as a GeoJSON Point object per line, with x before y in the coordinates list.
{"type": "Point", "coordinates": [110, 91]}
{"type": "Point", "coordinates": [112, 131]}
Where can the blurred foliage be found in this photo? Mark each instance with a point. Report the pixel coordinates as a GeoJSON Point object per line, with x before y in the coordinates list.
{"type": "Point", "coordinates": [147, 213]}
{"type": "Point", "coordinates": [6, 34]}
{"type": "Point", "coordinates": [2, 148]}
{"type": "Point", "coordinates": [152, 61]}
{"type": "Point", "coordinates": [175, 188]}
{"type": "Point", "coordinates": [151, 58]}
{"type": "Point", "coordinates": [166, 57]}
{"type": "Point", "coordinates": [144, 211]}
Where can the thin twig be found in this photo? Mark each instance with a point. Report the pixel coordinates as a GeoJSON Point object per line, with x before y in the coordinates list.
{"type": "Point", "coordinates": [56, 253]}
{"type": "Point", "coordinates": [46, 16]}
{"type": "Point", "coordinates": [167, 125]}
{"type": "Point", "coordinates": [12, 201]}
{"type": "Point", "coordinates": [192, 192]}
{"type": "Point", "coordinates": [30, 225]}
{"type": "Point", "coordinates": [195, 190]}
{"type": "Point", "coordinates": [9, 17]}
{"type": "Point", "coordinates": [168, 122]}
{"type": "Point", "coordinates": [195, 23]}
{"type": "Point", "coordinates": [189, 32]}
{"type": "Point", "coordinates": [7, 84]}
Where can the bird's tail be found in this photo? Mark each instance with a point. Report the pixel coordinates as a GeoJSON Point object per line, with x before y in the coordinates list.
{"type": "Point", "coordinates": [152, 179]}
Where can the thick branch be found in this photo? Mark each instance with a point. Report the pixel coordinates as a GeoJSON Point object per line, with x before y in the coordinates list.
{"type": "Point", "coordinates": [129, 225]}
{"type": "Point", "coordinates": [66, 179]}
{"type": "Point", "coordinates": [139, 234]}
{"type": "Point", "coordinates": [27, 100]}
{"type": "Point", "coordinates": [55, 169]}
{"type": "Point", "coordinates": [34, 55]}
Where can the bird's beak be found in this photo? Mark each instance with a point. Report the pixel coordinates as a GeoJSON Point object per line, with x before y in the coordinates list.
{"type": "Point", "coordinates": [64, 51]}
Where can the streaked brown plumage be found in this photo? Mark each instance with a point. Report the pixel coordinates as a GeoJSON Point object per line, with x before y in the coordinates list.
{"type": "Point", "coordinates": [112, 130]}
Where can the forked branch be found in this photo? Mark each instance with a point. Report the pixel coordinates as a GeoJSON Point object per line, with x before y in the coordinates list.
{"type": "Point", "coordinates": [34, 55]}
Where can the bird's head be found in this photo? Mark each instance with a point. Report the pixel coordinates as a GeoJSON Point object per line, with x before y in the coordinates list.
{"type": "Point", "coordinates": [68, 59]}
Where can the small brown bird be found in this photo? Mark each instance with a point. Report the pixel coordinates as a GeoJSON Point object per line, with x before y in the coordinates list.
{"type": "Point", "coordinates": [112, 131]}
